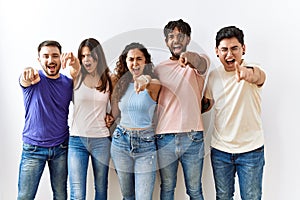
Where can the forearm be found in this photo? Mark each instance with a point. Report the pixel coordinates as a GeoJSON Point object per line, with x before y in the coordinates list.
{"type": "Point", "coordinates": [153, 87]}
{"type": "Point", "coordinates": [259, 76]}
{"type": "Point", "coordinates": [199, 62]}
{"type": "Point", "coordinates": [206, 104]}
{"type": "Point", "coordinates": [74, 71]}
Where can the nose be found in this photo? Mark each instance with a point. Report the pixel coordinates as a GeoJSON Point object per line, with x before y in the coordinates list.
{"type": "Point", "coordinates": [50, 59]}
{"type": "Point", "coordinates": [229, 52]}
{"type": "Point", "coordinates": [135, 63]}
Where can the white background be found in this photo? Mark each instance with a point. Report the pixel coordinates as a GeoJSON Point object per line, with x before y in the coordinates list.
{"type": "Point", "coordinates": [272, 33]}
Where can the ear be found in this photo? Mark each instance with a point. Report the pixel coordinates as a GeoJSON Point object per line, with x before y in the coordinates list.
{"type": "Point", "coordinates": [217, 51]}
{"type": "Point", "coordinates": [244, 49]}
{"type": "Point", "coordinates": [188, 40]}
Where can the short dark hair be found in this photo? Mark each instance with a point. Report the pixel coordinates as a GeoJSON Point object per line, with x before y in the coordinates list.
{"type": "Point", "coordinates": [49, 43]}
{"type": "Point", "coordinates": [182, 26]}
{"type": "Point", "coordinates": [229, 32]}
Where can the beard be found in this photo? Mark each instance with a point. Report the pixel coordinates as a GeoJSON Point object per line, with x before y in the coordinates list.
{"type": "Point", "coordinates": [177, 55]}
{"type": "Point", "coordinates": [51, 72]}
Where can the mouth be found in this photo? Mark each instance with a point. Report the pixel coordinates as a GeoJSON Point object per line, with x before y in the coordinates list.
{"type": "Point", "coordinates": [230, 61]}
{"type": "Point", "coordinates": [136, 70]}
{"type": "Point", "coordinates": [51, 67]}
{"type": "Point", "coordinates": [87, 65]}
{"type": "Point", "coordinates": [177, 49]}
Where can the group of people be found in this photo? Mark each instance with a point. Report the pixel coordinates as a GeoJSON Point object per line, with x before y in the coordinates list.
{"type": "Point", "coordinates": [145, 118]}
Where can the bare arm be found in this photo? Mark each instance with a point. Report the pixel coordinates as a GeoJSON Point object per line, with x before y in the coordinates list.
{"type": "Point", "coordinates": [146, 82]}
{"type": "Point", "coordinates": [251, 74]}
{"type": "Point", "coordinates": [200, 62]}
{"type": "Point", "coordinates": [206, 104]}
{"type": "Point", "coordinates": [68, 59]}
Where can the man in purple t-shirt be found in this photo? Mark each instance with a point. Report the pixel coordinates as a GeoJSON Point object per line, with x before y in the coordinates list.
{"type": "Point", "coordinates": [47, 95]}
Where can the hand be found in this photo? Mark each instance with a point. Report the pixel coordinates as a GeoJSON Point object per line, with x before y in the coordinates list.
{"type": "Point", "coordinates": [183, 59]}
{"type": "Point", "coordinates": [109, 120]}
{"type": "Point", "coordinates": [68, 59]}
{"type": "Point", "coordinates": [141, 82]}
{"type": "Point", "coordinates": [244, 73]}
{"type": "Point", "coordinates": [31, 76]}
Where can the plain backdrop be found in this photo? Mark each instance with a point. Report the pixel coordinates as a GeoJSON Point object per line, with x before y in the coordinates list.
{"type": "Point", "coordinates": [272, 34]}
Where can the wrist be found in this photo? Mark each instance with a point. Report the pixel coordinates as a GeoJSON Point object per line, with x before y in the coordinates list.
{"type": "Point", "coordinates": [147, 79]}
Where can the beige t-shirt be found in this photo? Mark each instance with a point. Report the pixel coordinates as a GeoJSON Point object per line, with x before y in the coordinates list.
{"type": "Point", "coordinates": [179, 102]}
{"type": "Point", "coordinates": [236, 113]}
{"type": "Point", "coordinates": [89, 113]}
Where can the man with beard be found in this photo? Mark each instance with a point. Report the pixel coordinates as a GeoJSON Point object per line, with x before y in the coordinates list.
{"type": "Point", "coordinates": [47, 95]}
{"type": "Point", "coordinates": [180, 127]}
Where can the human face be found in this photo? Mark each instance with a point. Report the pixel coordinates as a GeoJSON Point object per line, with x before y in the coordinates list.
{"type": "Point", "coordinates": [135, 61]}
{"type": "Point", "coordinates": [89, 63]}
{"type": "Point", "coordinates": [177, 42]}
{"type": "Point", "coordinates": [49, 58]}
{"type": "Point", "coordinates": [230, 51]}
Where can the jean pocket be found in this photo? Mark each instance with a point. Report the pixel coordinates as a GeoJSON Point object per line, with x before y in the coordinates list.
{"type": "Point", "coordinates": [196, 136]}
{"type": "Point", "coordinates": [159, 136]}
{"type": "Point", "coordinates": [117, 133]}
{"type": "Point", "coordinates": [29, 147]}
{"type": "Point", "coordinates": [148, 138]}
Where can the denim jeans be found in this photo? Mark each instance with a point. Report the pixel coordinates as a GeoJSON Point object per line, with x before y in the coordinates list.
{"type": "Point", "coordinates": [80, 150]}
{"type": "Point", "coordinates": [134, 156]}
{"type": "Point", "coordinates": [249, 168]}
{"type": "Point", "coordinates": [188, 149]}
{"type": "Point", "coordinates": [33, 161]}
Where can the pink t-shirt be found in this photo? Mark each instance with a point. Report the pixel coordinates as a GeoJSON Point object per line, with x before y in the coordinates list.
{"type": "Point", "coordinates": [179, 102]}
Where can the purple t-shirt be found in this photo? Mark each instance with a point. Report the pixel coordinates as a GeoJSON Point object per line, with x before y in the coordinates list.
{"type": "Point", "coordinates": [46, 111]}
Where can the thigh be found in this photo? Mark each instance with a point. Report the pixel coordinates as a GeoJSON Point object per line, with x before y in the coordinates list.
{"type": "Point", "coordinates": [58, 169]}
{"type": "Point", "coordinates": [224, 174]}
{"type": "Point", "coordinates": [31, 168]}
{"type": "Point", "coordinates": [167, 160]}
{"type": "Point", "coordinates": [100, 155]}
{"type": "Point", "coordinates": [100, 151]}
{"type": "Point", "coordinates": [192, 162]}
{"type": "Point", "coordinates": [78, 158]}
{"type": "Point", "coordinates": [166, 150]}
{"type": "Point", "coordinates": [120, 152]}
{"type": "Point", "coordinates": [250, 172]}
{"type": "Point", "coordinates": [145, 171]}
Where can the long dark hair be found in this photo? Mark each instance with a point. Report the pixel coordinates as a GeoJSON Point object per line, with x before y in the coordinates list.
{"type": "Point", "coordinates": [97, 54]}
{"type": "Point", "coordinates": [124, 77]}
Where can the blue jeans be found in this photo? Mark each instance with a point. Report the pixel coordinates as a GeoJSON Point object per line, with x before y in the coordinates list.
{"type": "Point", "coordinates": [134, 156]}
{"type": "Point", "coordinates": [188, 149]}
{"type": "Point", "coordinates": [32, 165]}
{"type": "Point", "coordinates": [249, 168]}
{"type": "Point", "coordinates": [80, 149]}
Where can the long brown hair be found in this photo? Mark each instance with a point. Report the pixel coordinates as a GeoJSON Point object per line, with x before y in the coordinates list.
{"type": "Point", "coordinates": [97, 54]}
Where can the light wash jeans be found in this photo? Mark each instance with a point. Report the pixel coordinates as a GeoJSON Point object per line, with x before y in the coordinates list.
{"type": "Point", "coordinates": [80, 150]}
{"type": "Point", "coordinates": [134, 156]}
{"type": "Point", "coordinates": [249, 168]}
{"type": "Point", "coordinates": [33, 161]}
{"type": "Point", "coordinates": [188, 149]}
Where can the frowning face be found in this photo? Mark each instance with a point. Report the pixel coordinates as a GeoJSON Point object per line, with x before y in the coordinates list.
{"type": "Point", "coordinates": [229, 51]}
{"type": "Point", "coordinates": [135, 61]}
{"type": "Point", "coordinates": [177, 42]}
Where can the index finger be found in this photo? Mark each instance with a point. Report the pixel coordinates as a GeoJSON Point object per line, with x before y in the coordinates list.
{"type": "Point", "coordinates": [237, 67]}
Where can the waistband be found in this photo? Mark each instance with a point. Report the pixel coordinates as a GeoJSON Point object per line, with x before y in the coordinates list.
{"type": "Point", "coordinates": [133, 131]}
